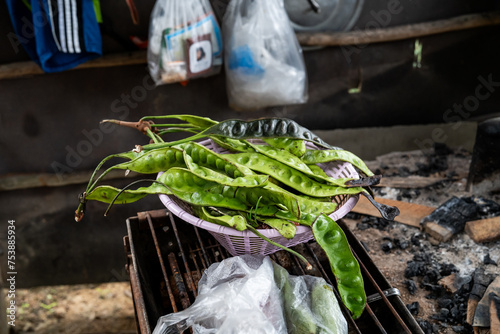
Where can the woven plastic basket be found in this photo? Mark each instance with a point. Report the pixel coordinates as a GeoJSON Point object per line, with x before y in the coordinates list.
{"type": "Point", "coordinates": [245, 242]}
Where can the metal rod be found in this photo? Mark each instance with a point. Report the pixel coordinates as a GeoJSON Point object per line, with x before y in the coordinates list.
{"type": "Point", "coordinates": [183, 255]}
{"type": "Point", "coordinates": [375, 319]}
{"type": "Point", "coordinates": [202, 247]}
{"type": "Point", "coordinates": [162, 264]}
{"type": "Point", "coordinates": [384, 298]}
{"type": "Point", "coordinates": [179, 282]}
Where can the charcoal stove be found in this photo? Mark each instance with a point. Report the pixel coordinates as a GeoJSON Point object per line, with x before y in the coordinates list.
{"type": "Point", "coordinates": [166, 258]}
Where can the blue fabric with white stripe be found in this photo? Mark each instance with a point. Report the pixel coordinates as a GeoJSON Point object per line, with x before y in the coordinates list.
{"type": "Point", "coordinates": [66, 32]}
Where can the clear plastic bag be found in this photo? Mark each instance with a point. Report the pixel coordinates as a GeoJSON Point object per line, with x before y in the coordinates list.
{"type": "Point", "coordinates": [264, 62]}
{"type": "Point", "coordinates": [250, 294]}
{"type": "Point", "coordinates": [185, 41]}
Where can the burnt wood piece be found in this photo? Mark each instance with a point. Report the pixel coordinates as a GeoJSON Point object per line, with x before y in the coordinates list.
{"type": "Point", "coordinates": [484, 171]}
{"type": "Point", "coordinates": [410, 214]}
{"type": "Point", "coordinates": [482, 314]}
{"type": "Point", "coordinates": [480, 283]}
{"type": "Point", "coordinates": [484, 230]}
{"type": "Point", "coordinates": [494, 313]}
{"type": "Point", "coordinates": [451, 217]}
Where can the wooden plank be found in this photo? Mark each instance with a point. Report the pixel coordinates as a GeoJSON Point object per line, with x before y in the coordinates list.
{"type": "Point", "coordinates": [484, 230]}
{"type": "Point", "coordinates": [29, 68]}
{"type": "Point", "coordinates": [409, 182]}
{"type": "Point", "coordinates": [411, 214]}
{"type": "Point", "coordinates": [438, 232]}
{"type": "Point", "coordinates": [27, 181]}
{"type": "Point", "coordinates": [400, 32]}
{"type": "Point", "coordinates": [494, 314]}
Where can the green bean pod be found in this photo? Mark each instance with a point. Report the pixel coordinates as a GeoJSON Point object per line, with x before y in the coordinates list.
{"type": "Point", "coordinates": [151, 162]}
{"type": "Point", "coordinates": [203, 156]}
{"type": "Point", "coordinates": [107, 194]}
{"type": "Point", "coordinates": [344, 265]}
{"type": "Point", "coordinates": [232, 144]}
{"type": "Point", "coordinates": [198, 191]}
{"type": "Point", "coordinates": [322, 156]}
{"type": "Point", "coordinates": [289, 176]}
{"type": "Point", "coordinates": [284, 227]}
{"type": "Point", "coordinates": [237, 222]}
{"type": "Point", "coordinates": [295, 146]}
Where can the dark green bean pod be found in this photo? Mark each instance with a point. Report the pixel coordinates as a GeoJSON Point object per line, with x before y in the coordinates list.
{"type": "Point", "coordinates": [264, 128]}
{"type": "Point", "coordinates": [322, 156]}
{"type": "Point", "coordinates": [344, 265]}
{"type": "Point", "coordinates": [289, 176]}
{"type": "Point", "coordinates": [295, 146]}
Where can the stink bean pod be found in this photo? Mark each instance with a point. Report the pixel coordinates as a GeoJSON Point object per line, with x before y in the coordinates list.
{"type": "Point", "coordinates": [289, 176]}
{"type": "Point", "coordinates": [151, 162]}
{"type": "Point", "coordinates": [295, 146]}
{"type": "Point", "coordinates": [108, 194]}
{"type": "Point", "coordinates": [322, 156]}
{"type": "Point", "coordinates": [344, 265]}
{"type": "Point", "coordinates": [203, 156]}
{"type": "Point", "coordinates": [264, 128]}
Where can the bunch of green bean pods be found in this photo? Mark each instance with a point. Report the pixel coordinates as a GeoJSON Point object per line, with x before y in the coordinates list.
{"type": "Point", "coordinates": [276, 182]}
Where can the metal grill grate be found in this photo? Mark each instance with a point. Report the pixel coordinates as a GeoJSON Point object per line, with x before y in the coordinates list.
{"type": "Point", "coordinates": [166, 258]}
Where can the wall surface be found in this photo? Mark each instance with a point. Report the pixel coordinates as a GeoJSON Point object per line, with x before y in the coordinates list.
{"type": "Point", "coordinates": [49, 124]}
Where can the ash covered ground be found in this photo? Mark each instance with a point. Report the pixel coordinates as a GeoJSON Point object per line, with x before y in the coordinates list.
{"type": "Point", "coordinates": [411, 260]}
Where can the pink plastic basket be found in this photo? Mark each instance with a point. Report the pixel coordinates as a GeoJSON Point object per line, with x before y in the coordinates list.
{"type": "Point", "coordinates": [246, 242]}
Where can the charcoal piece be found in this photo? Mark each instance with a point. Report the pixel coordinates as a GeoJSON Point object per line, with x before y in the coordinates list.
{"type": "Point", "coordinates": [481, 282]}
{"type": "Point", "coordinates": [444, 312]}
{"type": "Point", "coordinates": [445, 302]}
{"type": "Point", "coordinates": [414, 268]}
{"type": "Point", "coordinates": [411, 286]}
{"type": "Point", "coordinates": [427, 327]}
{"type": "Point", "coordinates": [362, 226]}
{"type": "Point", "coordinates": [447, 269]}
{"type": "Point", "coordinates": [387, 246]}
{"type": "Point", "coordinates": [415, 239]}
{"type": "Point", "coordinates": [413, 308]}
{"type": "Point", "coordinates": [453, 214]}
{"type": "Point", "coordinates": [488, 260]}
{"type": "Point", "coordinates": [403, 244]}
{"type": "Point", "coordinates": [459, 329]}
{"type": "Point", "coordinates": [485, 208]}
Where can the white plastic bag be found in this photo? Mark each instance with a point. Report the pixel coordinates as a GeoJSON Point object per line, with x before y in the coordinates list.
{"type": "Point", "coordinates": [185, 41]}
{"type": "Point", "coordinates": [251, 295]}
{"type": "Point", "coordinates": [263, 59]}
